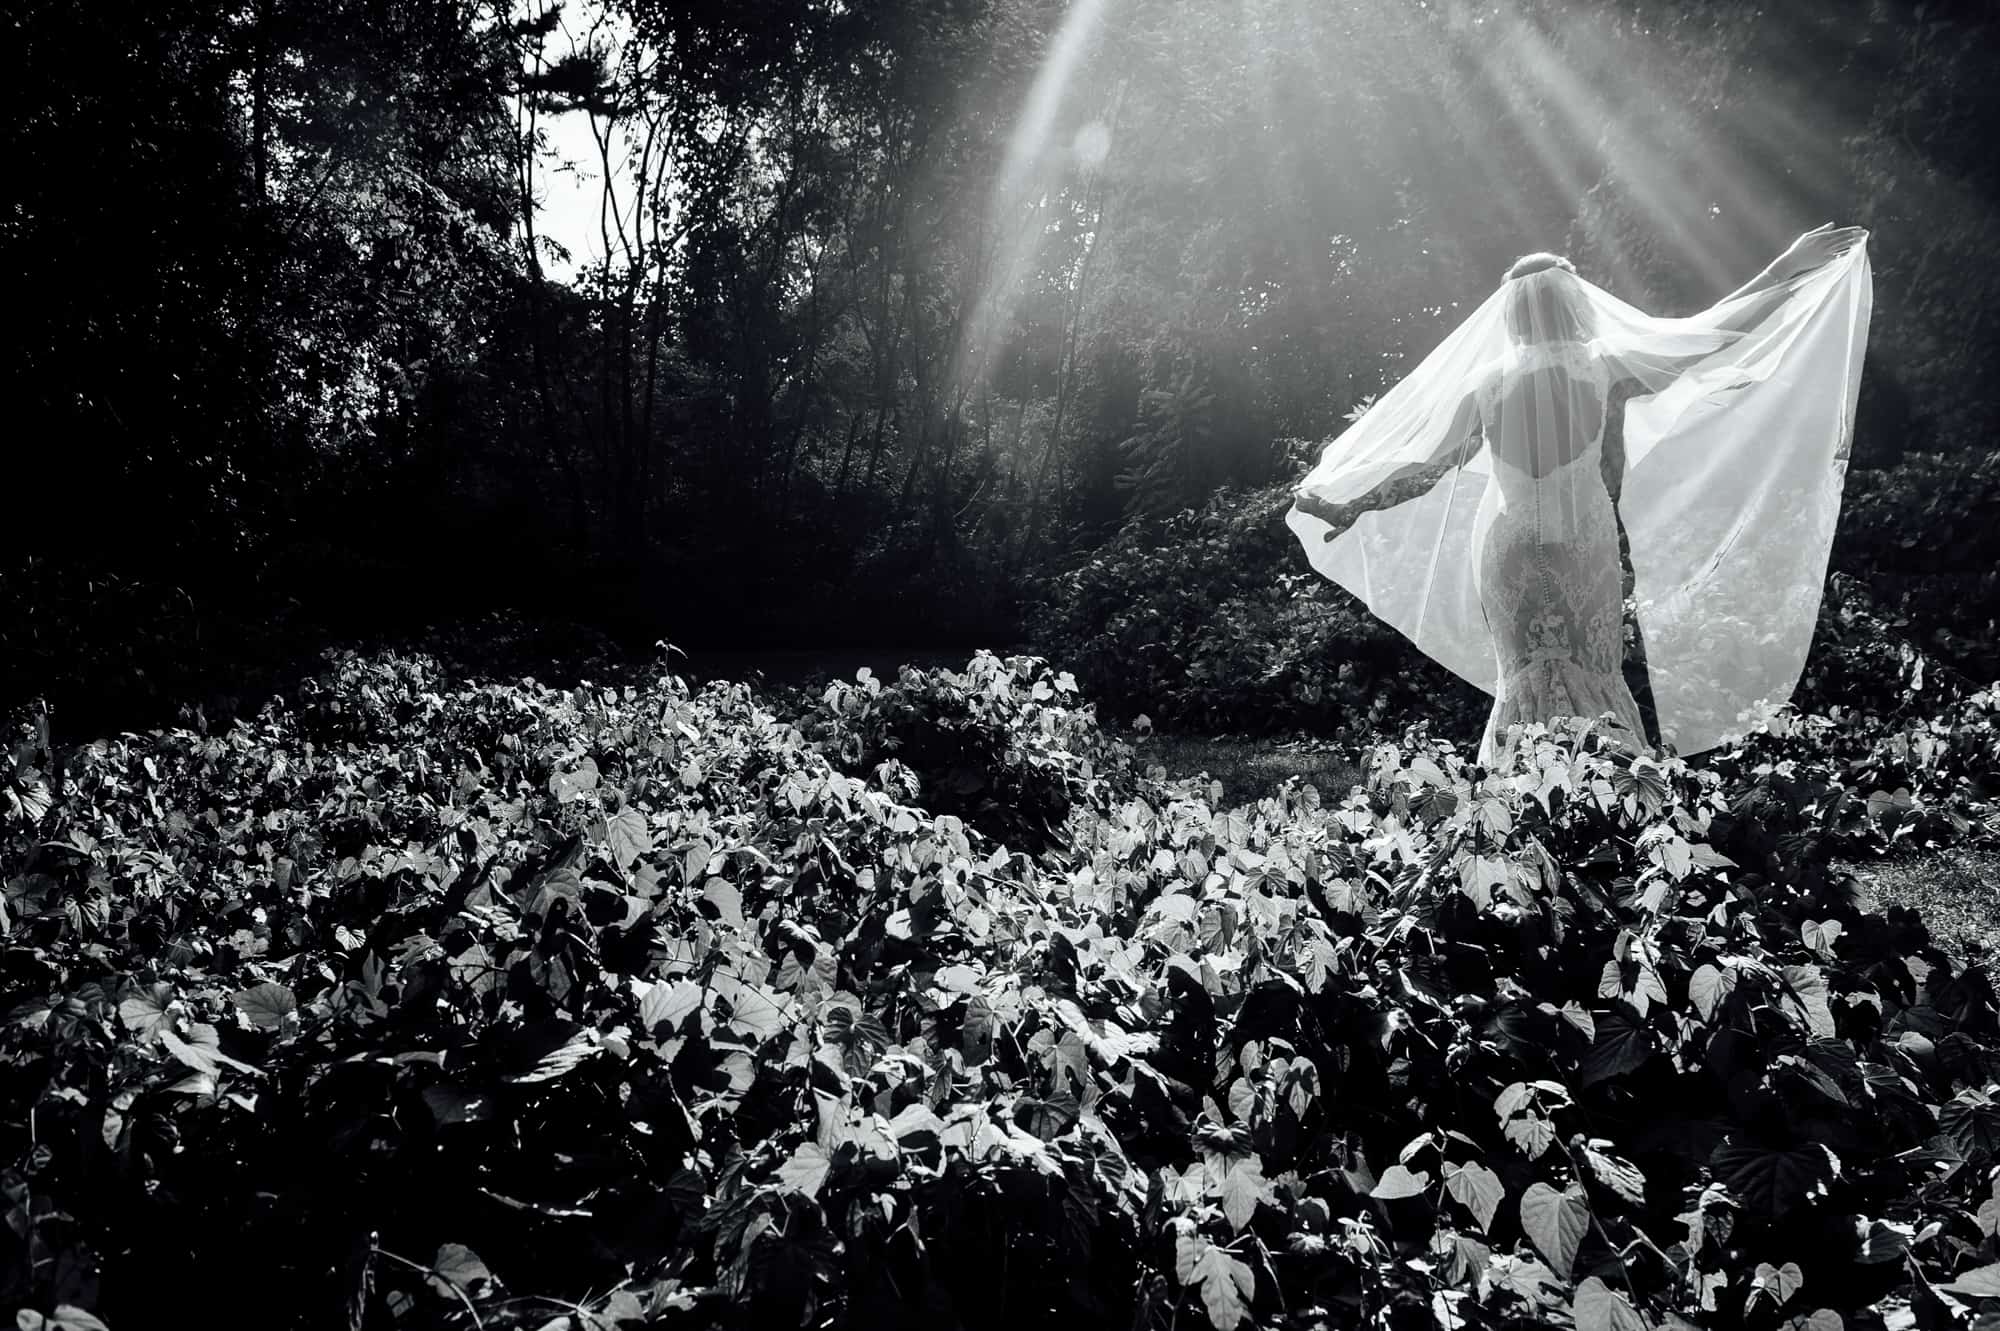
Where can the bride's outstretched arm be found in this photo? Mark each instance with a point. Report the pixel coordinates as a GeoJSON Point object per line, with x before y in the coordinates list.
{"type": "Point", "coordinates": [1766, 291]}
{"type": "Point", "coordinates": [1743, 308]}
{"type": "Point", "coordinates": [1464, 427]}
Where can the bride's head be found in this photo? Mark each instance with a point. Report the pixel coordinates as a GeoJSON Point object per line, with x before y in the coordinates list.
{"type": "Point", "coordinates": [1544, 301]}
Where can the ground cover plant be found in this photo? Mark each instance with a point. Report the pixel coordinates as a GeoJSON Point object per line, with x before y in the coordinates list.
{"type": "Point", "coordinates": [417, 1000]}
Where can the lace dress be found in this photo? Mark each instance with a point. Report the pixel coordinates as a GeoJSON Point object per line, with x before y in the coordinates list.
{"type": "Point", "coordinates": [1547, 570]}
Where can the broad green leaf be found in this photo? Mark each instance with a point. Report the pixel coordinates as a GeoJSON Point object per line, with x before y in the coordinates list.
{"type": "Point", "coordinates": [1478, 1189]}
{"type": "Point", "coordinates": [806, 1170]}
{"type": "Point", "coordinates": [977, 1030]}
{"type": "Point", "coordinates": [627, 837]}
{"type": "Point", "coordinates": [668, 1002]}
{"type": "Point", "coordinates": [1598, 1307]}
{"type": "Point", "coordinates": [1621, 1046]}
{"type": "Point", "coordinates": [1620, 1176]}
{"type": "Point", "coordinates": [1776, 1283]}
{"type": "Point", "coordinates": [1771, 1180]}
{"type": "Point", "coordinates": [1531, 1135]}
{"type": "Point", "coordinates": [1708, 987]}
{"type": "Point", "coordinates": [1242, 1188]}
{"type": "Point", "coordinates": [69, 1317]}
{"type": "Point", "coordinates": [1972, 1121]}
{"type": "Point", "coordinates": [1982, 1282]}
{"type": "Point", "coordinates": [194, 1056]}
{"type": "Point", "coordinates": [1226, 1287]}
{"type": "Point", "coordinates": [1555, 1223]}
{"type": "Point", "coordinates": [916, 1120]}
{"type": "Point", "coordinates": [1577, 1015]}
{"type": "Point", "coordinates": [457, 1269]}
{"type": "Point", "coordinates": [142, 1015]}
{"type": "Point", "coordinates": [571, 786]}
{"type": "Point", "coordinates": [1808, 989]}
{"type": "Point", "coordinates": [1820, 1319]}
{"type": "Point", "coordinates": [958, 979]}
{"type": "Point", "coordinates": [1469, 1259]}
{"type": "Point", "coordinates": [1821, 936]}
{"type": "Point", "coordinates": [1398, 1181]}
{"type": "Point", "coordinates": [728, 902]}
{"type": "Point", "coordinates": [266, 1005]}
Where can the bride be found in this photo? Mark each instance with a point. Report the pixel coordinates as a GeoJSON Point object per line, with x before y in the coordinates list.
{"type": "Point", "coordinates": [1469, 507]}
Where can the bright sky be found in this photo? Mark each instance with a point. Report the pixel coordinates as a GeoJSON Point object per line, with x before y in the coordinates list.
{"type": "Point", "coordinates": [568, 181]}
{"type": "Point", "coordinates": [568, 198]}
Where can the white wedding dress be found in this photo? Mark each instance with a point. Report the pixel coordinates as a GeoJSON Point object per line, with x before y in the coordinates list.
{"type": "Point", "coordinates": [1736, 425]}
{"type": "Point", "coordinates": [1547, 574]}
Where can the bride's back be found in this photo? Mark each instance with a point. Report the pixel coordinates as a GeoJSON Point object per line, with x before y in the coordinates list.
{"type": "Point", "coordinates": [1545, 407]}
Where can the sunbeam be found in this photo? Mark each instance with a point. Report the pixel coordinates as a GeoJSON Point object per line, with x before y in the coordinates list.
{"type": "Point", "coordinates": [1028, 176]}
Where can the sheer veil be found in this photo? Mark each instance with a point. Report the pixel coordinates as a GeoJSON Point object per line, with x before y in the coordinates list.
{"type": "Point", "coordinates": [1735, 450]}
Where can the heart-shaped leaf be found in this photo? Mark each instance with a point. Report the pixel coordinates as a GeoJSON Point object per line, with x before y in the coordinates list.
{"type": "Point", "coordinates": [1399, 1181]}
{"type": "Point", "coordinates": [266, 1005]}
{"type": "Point", "coordinates": [1477, 1188]}
{"type": "Point", "coordinates": [1598, 1307]}
{"type": "Point", "coordinates": [1555, 1223]}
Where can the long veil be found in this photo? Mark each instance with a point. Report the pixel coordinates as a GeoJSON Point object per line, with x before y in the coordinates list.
{"type": "Point", "coordinates": [1735, 452]}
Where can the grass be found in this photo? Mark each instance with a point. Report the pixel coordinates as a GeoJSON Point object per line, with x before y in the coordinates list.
{"type": "Point", "coordinates": [1249, 769]}
{"type": "Point", "coordinates": [1957, 891]}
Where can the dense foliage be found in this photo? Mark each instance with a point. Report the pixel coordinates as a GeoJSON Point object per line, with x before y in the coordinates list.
{"type": "Point", "coordinates": [1211, 620]}
{"type": "Point", "coordinates": [423, 1001]}
{"type": "Point", "coordinates": [891, 306]}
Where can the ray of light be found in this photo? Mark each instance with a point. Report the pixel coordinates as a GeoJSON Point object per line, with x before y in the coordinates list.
{"type": "Point", "coordinates": [1021, 192]}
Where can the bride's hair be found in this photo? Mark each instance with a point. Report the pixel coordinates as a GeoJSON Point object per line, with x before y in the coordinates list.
{"type": "Point", "coordinates": [1535, 312]}
{"type": "Point", "coordinates": [1538, 262]}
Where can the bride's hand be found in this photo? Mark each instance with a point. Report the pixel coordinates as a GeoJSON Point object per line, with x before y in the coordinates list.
{"type": "Point", "coordinates": [1818, 246]}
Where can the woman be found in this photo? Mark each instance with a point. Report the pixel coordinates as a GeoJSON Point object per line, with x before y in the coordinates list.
{"type": "Point", "coordinates": [1506, 567]}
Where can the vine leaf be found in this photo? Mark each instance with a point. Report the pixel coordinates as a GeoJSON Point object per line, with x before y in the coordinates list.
{"type": "Point", "coordinates": [1776, 1283]}
{"type": "Point", "coordinates": [1982, 1282]}
{"type": "Point", "coordinates": [1621, 1045]}
{"type": "Point", "coordinates": [806, 1170]}
{"type": "Point", "coordinates": [1555, 1223]}
{"type": "Point", "coordinates": [1226, 1282]}
{"type": "Point", "coordinates": [1972, 1121]}
{"type": "Point", "coordinates": [142, 1015]}
{"type": "Point", "coordinates": [1242, 1188]}
{"type": "Point", "coordinates": [1598, 1307]}
{"type": "Point", "coordinates": [266, 1005]}
{"type": "Point", "coordinates": [458, 1271]}
{"type": "Point", "coordinates": [1772, 1180]}
{"type": "Point", "coordinates": [1619, 1175]}
{"type": "Point", "coordinates": [1820, 1319]}
{"type": "Point", "coordinates": [568, 786]}
{"type": "Point", "coordinates": [1531, 1134]}
{"type": "Point", "coordinates": [628, 838]}
{"type": "Point", "coordinates": [1478, 1189]}
{"type": "Point", "coordinates": [1709, 987]}
{"type": "Point", "coordinates": [1398, 1181]}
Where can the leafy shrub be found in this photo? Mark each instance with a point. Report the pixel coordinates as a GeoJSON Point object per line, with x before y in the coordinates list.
{"type": "Point", "coordinates": [1921, 535]}
{"type": "Point", "coordinates": [1005, 744]}
{"type": "Point", "coordinates": [493, 1003]}
{"type": "Point", "coordinates": [1210, 620]}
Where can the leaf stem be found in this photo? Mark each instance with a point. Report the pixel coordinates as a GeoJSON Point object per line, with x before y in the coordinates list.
{"type": "Point", "coordinates": [432, 1271]}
